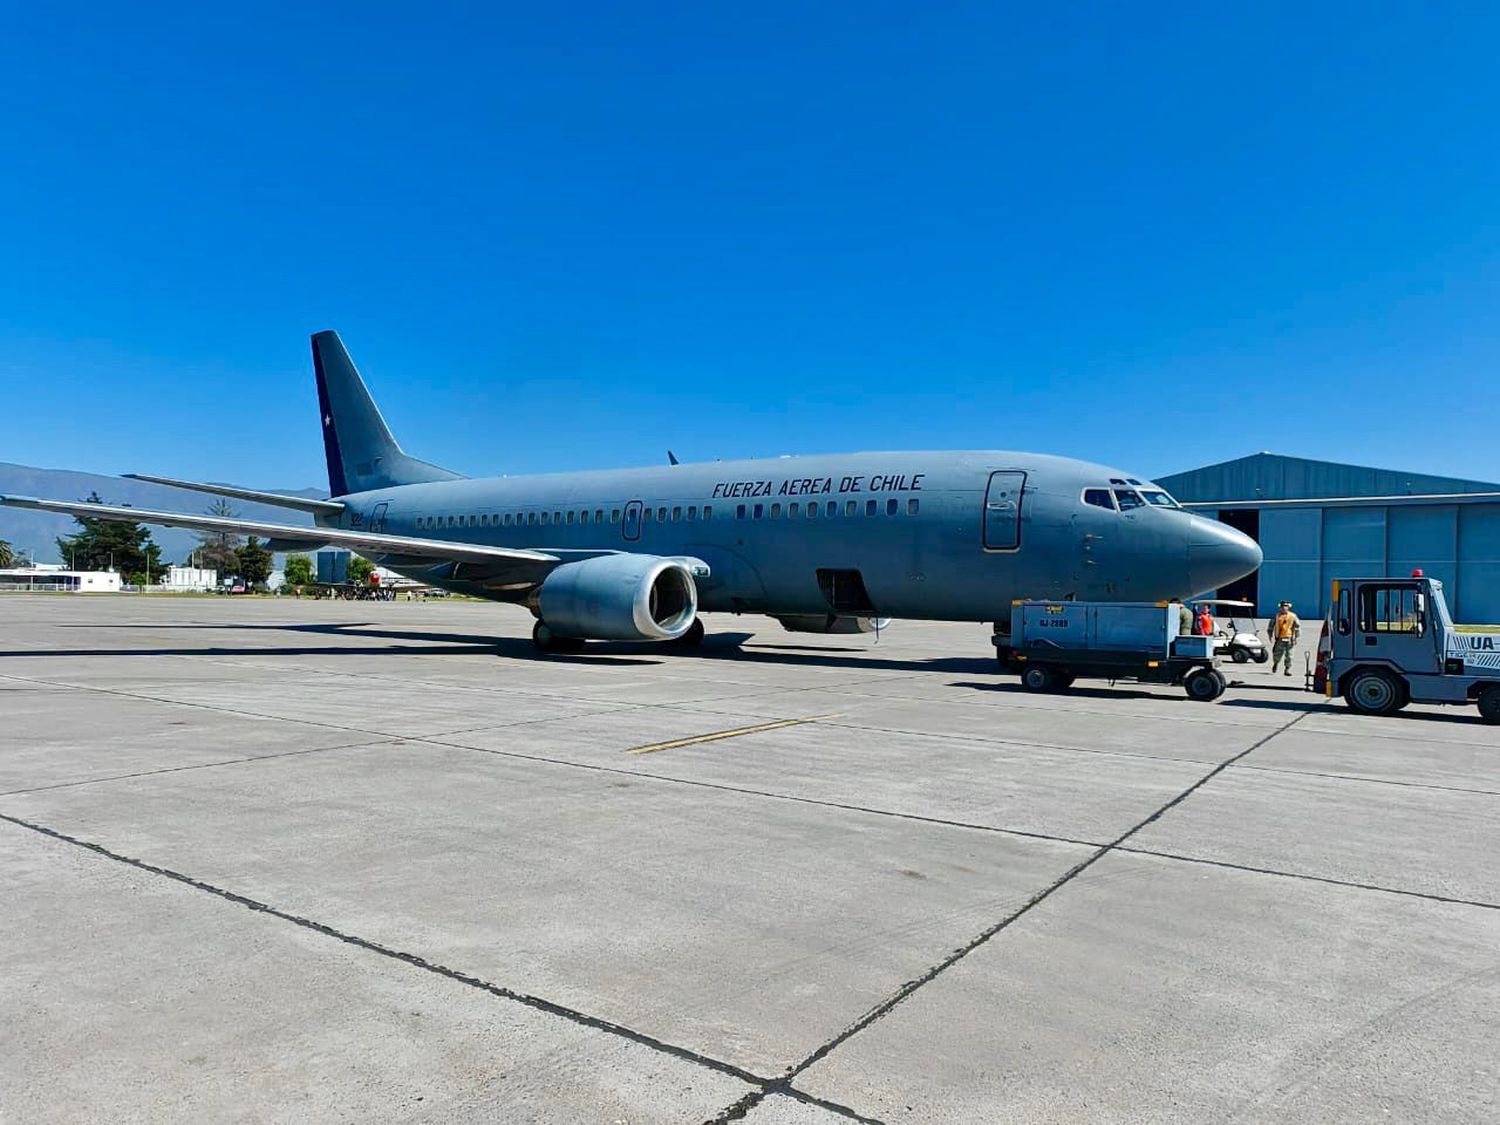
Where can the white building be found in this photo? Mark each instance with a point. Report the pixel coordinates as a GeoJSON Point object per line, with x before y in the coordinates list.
{"type": "Point", "coordinates": [56, 579]}
{"type": "Point", "coordinates": [189, 579]}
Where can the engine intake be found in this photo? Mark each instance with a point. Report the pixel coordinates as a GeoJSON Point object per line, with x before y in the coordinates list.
{"type": "Point", "coordinates": [620, 598]}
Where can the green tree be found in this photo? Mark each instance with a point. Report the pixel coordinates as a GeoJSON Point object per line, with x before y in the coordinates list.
{"type": "Point", "coordinates": [7, 556]}
{"type": "Point", "coordinates": [298, 570]}
{"type": "Point", "coordinates": [110, 545]}
{"type": "Point", "coordinates": [360, 570]}
{"type": "Point", "coordinates": [220, 549]}
{"type": "Point", "coordinates": [254, 562]}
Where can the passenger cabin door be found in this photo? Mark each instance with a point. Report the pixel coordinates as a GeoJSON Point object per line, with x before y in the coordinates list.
{"type": "Point", "coordinates": [630, 526]}
{"type": "Point", "coordinates": [1393, 621]}
{"type": "Point", "coordinates": [377, 518]}
{"type": "Point", "coordinates": [1002, 510]}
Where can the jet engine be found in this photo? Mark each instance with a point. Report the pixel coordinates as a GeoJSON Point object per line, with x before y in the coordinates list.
{"type": "Point", "coordinates": [831, 623]}
{"type": "Point", "coordinates": [621, 598]}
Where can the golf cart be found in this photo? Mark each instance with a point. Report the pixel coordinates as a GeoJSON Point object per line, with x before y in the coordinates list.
{"type": "Point", "coordinates": [1234, 630]}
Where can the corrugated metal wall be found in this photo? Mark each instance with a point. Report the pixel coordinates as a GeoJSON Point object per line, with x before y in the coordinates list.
{"type": "Point", "coordinates": [1306, 548]}
{"type": "Point", "coordinates": [1269, 476]}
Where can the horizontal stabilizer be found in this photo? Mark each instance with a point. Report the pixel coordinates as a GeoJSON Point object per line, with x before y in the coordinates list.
{"type": "Point", "coordinates": [375, 544]}
{"type": "Point", "coordinates": [300, 503]}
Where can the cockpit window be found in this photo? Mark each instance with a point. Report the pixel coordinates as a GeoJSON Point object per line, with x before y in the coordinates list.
{"type": "Point", "coordinates": [1159, 499]}
{"type": "Point", "coordinates": [1128, 498]}
{"type": "Point", "coordinates": [1131, 480]}
{"type": "Point", "coordinates": [1099, 498]}
{"type": "Point", "coordinates": [1116, 480]}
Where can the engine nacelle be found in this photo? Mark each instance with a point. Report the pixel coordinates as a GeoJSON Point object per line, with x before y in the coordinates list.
{"type": "Point", "coordinates": [831, 623]}
{"type": "Point", "coordinates": [621, 598]}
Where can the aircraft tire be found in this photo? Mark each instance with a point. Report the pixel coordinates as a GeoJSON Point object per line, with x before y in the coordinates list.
{"type": "Point", "coordinates": [692, 638]}
{"type": "Point", "coordinates": [1038, 678]}
{"type": "Point", "coordinates": [1489, 704]}
{"type": "Point", "coordinates": [1375, 691]}
{"type": "Point", "coordinates": [546, 640]}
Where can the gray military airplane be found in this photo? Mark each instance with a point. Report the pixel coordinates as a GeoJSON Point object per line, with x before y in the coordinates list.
{"type": "Point", "coordinates": [825, 544]}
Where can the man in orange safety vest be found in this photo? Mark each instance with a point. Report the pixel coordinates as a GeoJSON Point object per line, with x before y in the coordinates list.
{"type": "Point", "coordinates": [1284, 631]}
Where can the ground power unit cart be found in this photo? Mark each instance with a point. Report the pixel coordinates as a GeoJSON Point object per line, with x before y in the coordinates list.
{"type": "Point", "coordinates": [1051, 644]}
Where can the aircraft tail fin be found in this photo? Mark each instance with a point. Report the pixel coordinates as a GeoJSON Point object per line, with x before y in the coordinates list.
{"type": "Point", "coordinates": [362, 454]}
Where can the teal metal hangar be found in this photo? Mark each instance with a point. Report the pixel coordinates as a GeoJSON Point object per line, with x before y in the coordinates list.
{"type": "Point", "coordinates": [1317, 520]}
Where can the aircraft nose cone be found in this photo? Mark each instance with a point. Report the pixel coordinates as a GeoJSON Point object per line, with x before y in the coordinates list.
{"type": "Point", "coordinates": [1218, 554]}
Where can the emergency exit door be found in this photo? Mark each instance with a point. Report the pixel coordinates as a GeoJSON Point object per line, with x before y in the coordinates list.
{"type": "Point", "coordinates": [630, 527]}
{"type": "Point", "coordinates": [1002, 510]}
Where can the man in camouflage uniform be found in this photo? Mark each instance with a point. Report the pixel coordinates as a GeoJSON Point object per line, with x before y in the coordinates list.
{"type": "Point", "coordinates": [1284, 631]}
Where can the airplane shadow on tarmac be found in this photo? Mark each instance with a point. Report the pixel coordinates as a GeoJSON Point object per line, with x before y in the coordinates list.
{"type": "Point", "coordinates": [729, 647]}
{"type": "Point", "coordinates": [716, 646]}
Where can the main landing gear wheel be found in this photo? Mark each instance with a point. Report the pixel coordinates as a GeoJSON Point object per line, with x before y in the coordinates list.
{"type": "Point", "coordinates": [1489, 704]}
{"type": "Point", "coordinates": [1375, 692]}
{"type": "Point", "coordinates": [548, 641]}
{"type": "Point", "coordinates": [692, 638]}
{"type": "Point", "coordinates": [1204, 685]}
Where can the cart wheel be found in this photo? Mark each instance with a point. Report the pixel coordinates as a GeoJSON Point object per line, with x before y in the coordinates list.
{"type": "Point", "coordinates": [1038, 678]}
{"type": "Point", "coordinates": [1375, 692]}
{"type": "Point", "coordinates": [1239, 656]}
{"type": "Point", "coordinates": [1489, 704]}
{"type": "Point", "coordinates": [1203, 685]}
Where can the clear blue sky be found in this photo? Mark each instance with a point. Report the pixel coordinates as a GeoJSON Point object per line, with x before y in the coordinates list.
{"type": "Point", "coordinates": [574, 236]}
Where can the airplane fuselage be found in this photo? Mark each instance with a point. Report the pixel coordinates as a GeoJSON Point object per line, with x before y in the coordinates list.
{"type": "Point", "coordinates": [938, 535]}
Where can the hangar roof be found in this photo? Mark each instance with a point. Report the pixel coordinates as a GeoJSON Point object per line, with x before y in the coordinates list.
{"type": "Point", "coordinates": [1270, 476]}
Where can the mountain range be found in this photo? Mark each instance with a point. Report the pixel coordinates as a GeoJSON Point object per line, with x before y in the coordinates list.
{"type": "Point", "coordinates": [37, 532]}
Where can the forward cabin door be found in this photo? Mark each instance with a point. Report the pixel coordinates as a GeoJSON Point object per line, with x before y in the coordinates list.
{"type": "Point", "coordinates": [1002, 510]}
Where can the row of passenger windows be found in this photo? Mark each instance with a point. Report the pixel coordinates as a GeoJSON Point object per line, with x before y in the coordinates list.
{"type": "Point", "coordinates": [828, 509]}
{"type": "Point", "coordinates": [579, 516]}
{"type": "Point", "coordinates": [1125, 499]}
{"type": "Point", "coordinates": [675, 514]}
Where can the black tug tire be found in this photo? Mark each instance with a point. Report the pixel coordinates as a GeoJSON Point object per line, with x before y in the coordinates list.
{"type": "Point", "coordinates": [1374, 691]}
{"type": "Point", "coordinates": [1203, 685]}
{"type": "Point", "coordinates": [1489, 704]}
{"type": "Point", "coordinates": [1239, 656]}
{"type": "Point", "coordinates": [692, 638]}
{"type": "Point", "coordinates": [1038, 678]}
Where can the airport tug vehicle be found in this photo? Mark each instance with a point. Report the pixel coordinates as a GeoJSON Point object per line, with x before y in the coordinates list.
{"type": "Point", "coordinates": [1051, 644]}
{"type": "Point", "coordinates": [1388, 642]}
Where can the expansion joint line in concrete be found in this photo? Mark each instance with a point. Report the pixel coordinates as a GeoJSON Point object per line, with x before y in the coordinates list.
{"type": "Point", "coordinates": [583, 1019]}
{"type": "Point", "coordinates": [362, 745]}
{"type": "Point", "coordinates": [886, 1006]}
{"type": "Point", "coordinates": [720, 735]}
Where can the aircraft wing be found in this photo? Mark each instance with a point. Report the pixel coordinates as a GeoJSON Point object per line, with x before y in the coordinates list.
{"type": "Point", "coordinates": [403, 547]}
{"type": "Point", "coordinates": [281, 500]}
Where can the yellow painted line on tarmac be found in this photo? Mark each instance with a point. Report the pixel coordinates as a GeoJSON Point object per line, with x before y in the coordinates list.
{"type": "Point", "coordinates": [715, 736]}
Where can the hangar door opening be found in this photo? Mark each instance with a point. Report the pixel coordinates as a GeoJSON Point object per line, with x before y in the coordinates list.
{"type": "Point", "coordinates": [1245, 520]}
{"type": "Point", "coordinates": [1002, 511]}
